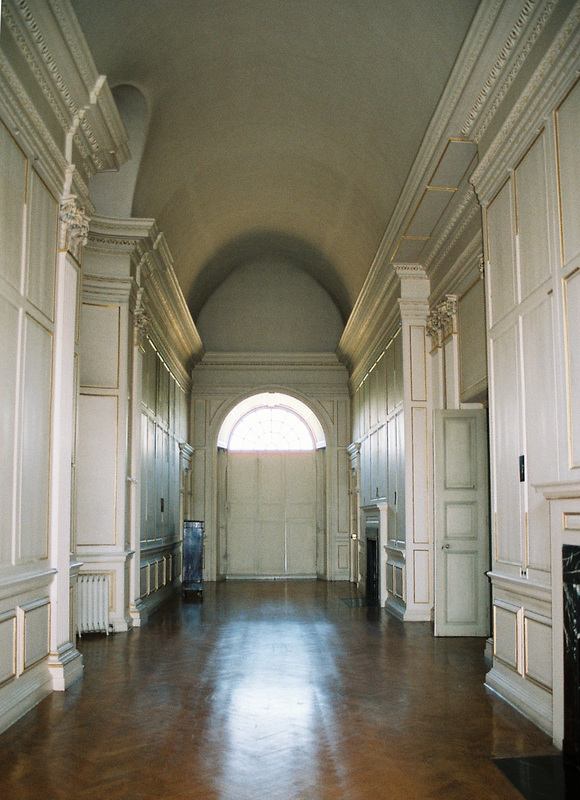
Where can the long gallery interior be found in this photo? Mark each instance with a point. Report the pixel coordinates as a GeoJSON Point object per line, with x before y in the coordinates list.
{"type": "Point", "coordinates": [301, 278]}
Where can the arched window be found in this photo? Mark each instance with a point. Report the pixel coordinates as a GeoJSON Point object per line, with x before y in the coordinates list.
{"type": "Point", "coordinates": [271, 428]}
{"type": "Point", "coordinates": [271, 421]}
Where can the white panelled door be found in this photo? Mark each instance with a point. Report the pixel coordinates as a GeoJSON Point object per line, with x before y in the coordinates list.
{"type": "Point", "coordinates": [271, 518]}
{"type": "Point", "coordinates": [462, 536]}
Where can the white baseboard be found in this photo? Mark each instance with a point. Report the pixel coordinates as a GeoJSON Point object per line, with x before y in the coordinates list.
{"type": "Point", "coordinates": [21, 694]}
{"type": "Point", "coordinates": [529, 699]}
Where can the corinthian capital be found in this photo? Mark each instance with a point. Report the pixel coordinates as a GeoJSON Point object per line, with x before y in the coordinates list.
{"type": "Point", "coordinates": [74, 227]}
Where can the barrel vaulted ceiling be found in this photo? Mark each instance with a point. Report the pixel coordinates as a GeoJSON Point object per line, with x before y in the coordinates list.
{"type": "Point", "coordinates": [276, 127]}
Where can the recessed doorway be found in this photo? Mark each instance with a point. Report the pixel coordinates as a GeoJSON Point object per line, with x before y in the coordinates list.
{"type": "Point", "coordinates": [274, 487]}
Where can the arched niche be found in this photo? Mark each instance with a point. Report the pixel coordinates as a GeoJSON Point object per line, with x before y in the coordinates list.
{"type": "Point", "coordinates": [271, 500]}
{"type": "Point", "coordinates": [112, 192]}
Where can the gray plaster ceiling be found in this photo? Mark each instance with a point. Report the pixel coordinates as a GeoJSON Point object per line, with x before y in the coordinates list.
{"type": "Point", "coordinates": [276, 126]}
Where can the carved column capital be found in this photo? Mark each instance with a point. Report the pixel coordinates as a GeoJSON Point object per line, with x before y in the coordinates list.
{"type": "Point", "coordinates": [141, 320]}
{"type": "Point", "coordinates": [74, 226]}
{"type": "Point", "coordinates": [442, 321]}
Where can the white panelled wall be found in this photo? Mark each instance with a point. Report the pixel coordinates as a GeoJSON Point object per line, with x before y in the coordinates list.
{"type": "Point", "coordinates": [530, 195]}
{"type": "Point", "coordinates": [133, 452]}
{"type": "Point", "coordinates": [47, 158]}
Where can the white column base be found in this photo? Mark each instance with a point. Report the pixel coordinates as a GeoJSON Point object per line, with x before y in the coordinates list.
{"type": "Point", "coordinates": [139, 614]}
{"type": "Point", "coordinates": [65, 667]}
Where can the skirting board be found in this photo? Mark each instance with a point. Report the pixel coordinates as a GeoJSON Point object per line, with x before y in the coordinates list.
{"type": "Point", "coordinates": [531, 701]}
{"type": "Point", "coordinates": [396, 608]}
{"type": "Point", "coordinates": [150, 603]}
{"type": "Point", "coordinates": [21, 694]}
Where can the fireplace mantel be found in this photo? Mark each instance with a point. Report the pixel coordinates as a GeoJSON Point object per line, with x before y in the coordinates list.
{"type": "Point", "coordinates": [375, 515]}
{"type": "Point", "coordinates": [564, 498]}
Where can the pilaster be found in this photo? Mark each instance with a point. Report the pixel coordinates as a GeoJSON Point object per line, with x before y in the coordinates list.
{"type": "Point", "coordinates": [414, 310]}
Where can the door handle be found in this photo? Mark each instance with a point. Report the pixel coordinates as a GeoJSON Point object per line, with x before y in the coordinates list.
{"type": "Point", "coordinates": [445, 547]}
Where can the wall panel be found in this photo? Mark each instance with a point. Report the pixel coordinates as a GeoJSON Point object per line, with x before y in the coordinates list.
{"type": "Point", "coordinates": [506, 439]}
{"type": "Point", "coordinates": [538, 649]}
{"type": "Point", "coordinates": [12, 199]}
{"type": "Point", "coordinates": [572, 326]}
{"type": "Point", "coordinates": [97, 462]}
{"type": "Point", "coordinates": [42, 246]}
{"type": "Point", "coordinates": [472, 337]}
{"type": "Point", "coordinates": [568, 119]}
{"type": "Point", "coordinates": [539, 384]}
{"type": "Point", "coordinates": [7, 646]}
{"type": "Point", "coordinates": [36, 440]}
{"type": "Point", "coordinates": [501, 254]}
{"type": "Point", "coordinates": [9, 336]}
{"type": "Point", "coordinates": [505, 626]}
{"type": "Point", "coordinates": [100, 339]}
{"type": "Point", "coordinates": [36, 631]}
{"type": "Point", "coordinates": [532, 218]}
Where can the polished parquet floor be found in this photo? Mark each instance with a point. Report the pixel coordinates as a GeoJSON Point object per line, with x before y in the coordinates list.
{"type": "Point", "coordinates": [271, 691]}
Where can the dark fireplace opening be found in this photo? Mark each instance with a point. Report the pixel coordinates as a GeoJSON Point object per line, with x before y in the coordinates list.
{"type": "Point", "coordinates": [372, 579]}
{"type": "Point", "coordinates": [571, 588]}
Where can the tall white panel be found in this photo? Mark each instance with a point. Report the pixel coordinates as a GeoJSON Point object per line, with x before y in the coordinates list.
{"type": "Point", "coordinates": [418, 363]}
{"type": "Point", "coordinates": [569, 167]}
{"type": "Point", "coordinates": [572, 327]}
{"type": "Point", "coordinates": [42, 246]}
{"type": "Point", "coordinates": [539, 383]}
{"type": "Point", "coordinates": [501, 255]}
{"type": "Point", "coordinates": [506, 424]}
{"type": "Point", "coordinates": [36, 433]}
{"type": "Point", "coordinates": [421, 531]}
{"type": "Point", "coordinates": [532, 216]}
{"type": "Point", "coordinates": [97, 470]}
{"type": "Point", "coordinates": [9, 335]}
{"type": "Point", "coordinates": [12, 198]}
{"type": "Point", "coordinates": [381, 370]}
{"type": "Point", "coordinates": [472, 339]}
{"type": "Point", "coordinates": [400, 503]}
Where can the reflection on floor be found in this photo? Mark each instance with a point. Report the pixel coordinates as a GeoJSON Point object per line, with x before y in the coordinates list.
{"type": "Point", "coordinates": [542, 777]}
{"type": "Point", "coordinates": [276, 690]}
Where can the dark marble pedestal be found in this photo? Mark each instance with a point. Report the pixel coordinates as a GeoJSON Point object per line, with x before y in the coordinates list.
{"type": "Point", "coordinates": [542, 777]}
{"type": "Point", "coordinates": [571, 589]}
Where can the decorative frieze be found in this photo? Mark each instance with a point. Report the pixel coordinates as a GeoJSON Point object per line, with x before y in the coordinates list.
{"type": "Point", "coordinates": [442, 320]}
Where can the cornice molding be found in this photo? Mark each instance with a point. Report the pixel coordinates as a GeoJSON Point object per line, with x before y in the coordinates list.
{"type": "Point", "coordinates": [532, 19]}
{"type": "Point", "coordinates": [81, 133]}
{"type": "Point", "coordinates": [373, 319]}
{"type": "Point", "coordinates": [549, 83]}
{"type": "Point", "coordinates": [318, 375]}
{"type": "Point", "coordinates": [286, 360]}
{"type": "Point", "coordinates": [462, 214]}
{"type": "Point", "coordinates": [160, 311]}
{"type": "Point", "coordinates": [492, 58]}
{"type": "Point", "coordinates": [483, 36]}
{"type": "Point", "coordinates": [104, 289]}
{"type": "Point", "coordinates": [464, 269]}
